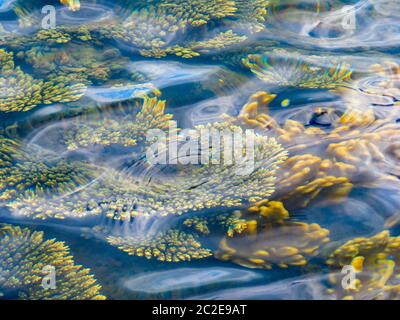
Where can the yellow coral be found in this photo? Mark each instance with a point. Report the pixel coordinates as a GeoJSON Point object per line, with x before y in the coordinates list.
{"type": "Point", "coordinates": [375, 262]}
{"type": "Point", "coordinates": [173, 246]}
{"type": "Point", "coordinates": [284, 69]}
{"type": "Point", "coordinates": [283, 244]}
{"type": "Point", "coordinates": [154, 28]}
{"type": "Point", "coordinates": [21, 92]}
{"type": "Point", "coordinates": [24, 256]}
{"type": "Point", "coordinates": [188, 188]}
{"type": "Point", "coordinates": [270, 211]}
{"type": "Point", "coordinates": [74, 5]}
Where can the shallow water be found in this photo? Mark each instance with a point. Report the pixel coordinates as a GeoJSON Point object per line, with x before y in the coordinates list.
{"type": "Point", "coordinates": [93, 75]}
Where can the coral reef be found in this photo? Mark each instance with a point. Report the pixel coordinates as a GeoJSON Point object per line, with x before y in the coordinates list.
{"type": "Point", "coordinates": [204, 224]}
{"type": "Point", "coordinates": [9, 150]}
{"type": "Point", "coordinates": [90, 64]}
{"type": "Point", "coordinates": [30, 168]}
{"type": "Point", "coordinates": [270, 239]}
{"type": "Point", "coordinates": [380, 86]}
{"type": "Point", "coordinates": [23, 261]}
{"type": "Point", "coordinates": [126, 128]}
{"type": "Point", "coordinates": [162, 28]}
{"type": "Point", "coordinates": [375, 262]}
{"type": "Point", "coordinates": [304, 178]}
{"type": "Point", "coordinates": [173, 246]}
{"type": "Point", "coordinates": [39, 172]}
{"type": "Point", "coordinates": [188, 188]}
{"type": "Point", "coordinates": [21, 92]}
{"type": "Point", "coordinates": [157, 29]}
{"type": "Point", "coordinates": [356, 139]}
{"type": "Point", "coordinates": [282, 68]}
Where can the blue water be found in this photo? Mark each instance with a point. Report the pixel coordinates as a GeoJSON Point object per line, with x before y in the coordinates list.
{"type": "Point", "coordinates": [198, 91]}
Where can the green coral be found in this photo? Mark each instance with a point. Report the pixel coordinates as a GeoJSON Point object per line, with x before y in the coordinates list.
{"type": "Point", "coordinates": [193, 49]}
{"type": "Point", "coordinates": [252, 14]}
{"type": "Point", "coordinates": [160, 28]}
{"type": "Point", "coordinates": [172, 246]}
{"type": "Point", "coordinates": [281, 68]}
{"type": "Point", "coordinates": [200, 224]}
{"type": "Point", "coordinates": [23, 259]}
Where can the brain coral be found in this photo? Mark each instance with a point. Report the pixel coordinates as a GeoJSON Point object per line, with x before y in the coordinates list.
{"type": "Point", "coordinates": [24, 257]}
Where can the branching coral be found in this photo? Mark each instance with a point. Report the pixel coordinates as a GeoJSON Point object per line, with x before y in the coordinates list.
{"type": "Point", "coordinates": [220, 41]}
{"type": "Point", "coordinates": [189, 187]}
{"type": "Point", "coordinates": [326, 161]}
{"type": "Point", "coordinates": [252, 14]}
{"type": "Point", "coordinates": [125, 129]}
{"type": "Point", "coordinates": [229, 222]}
{"type": "Point", "coordinates": [24, 257]}
{"type": "Point", "coordinates": [21, 92]}
{"type": "Point", "coordinates": [375, 263]}
{"type": "Point", "coordinates": [161, 28]}
{"type": "Point", "coordinates": [270, 239]}
{"type": "Point", "coordinates": [199, 224]}
{"type": "Point", "coordinates": [173, 246]}
{"type": "Point", "coordinates": [283, 69]}
{"type": "Point", "coordinates": [30, 169]}
{"type": "Point", "coordinates": [166, 27]}
{"type": "Point", "coordinates": [303, 178]}
{"type": "Point", "coordinates": [390, 82]}
{"type": "Point", "coordinates": [355, 136]}
{"type": "Point", "coordinates": [77, 60]}
{"type": "Point", "coordinates": [9, 149]}
{"type": "Point", "coordinates": [52, 36]}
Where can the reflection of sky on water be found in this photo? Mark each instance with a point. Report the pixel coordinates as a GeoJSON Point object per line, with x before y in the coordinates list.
{"type": "Point", "coordinates": [302, 288]}
{"type": "Point", "coordinates": [184, 278]}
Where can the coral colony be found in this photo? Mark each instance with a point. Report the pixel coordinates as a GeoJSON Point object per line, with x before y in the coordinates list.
{"type": "Point", "coordinates": [135, 178]}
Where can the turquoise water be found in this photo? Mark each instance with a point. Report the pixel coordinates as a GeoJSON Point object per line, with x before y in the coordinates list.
{"type": "Point", "coordinates": [328, 76]}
